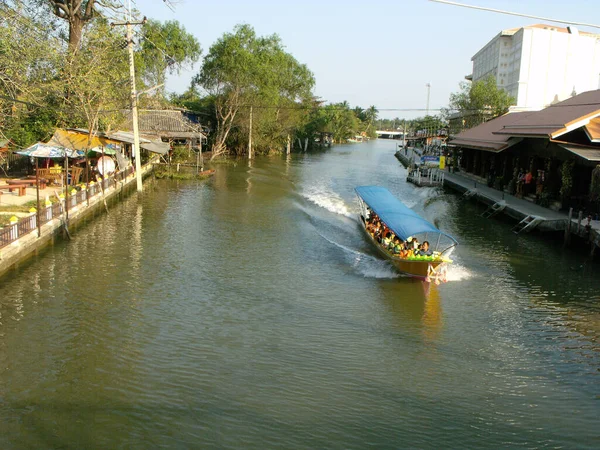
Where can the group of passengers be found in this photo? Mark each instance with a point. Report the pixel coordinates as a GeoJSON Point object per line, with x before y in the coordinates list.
{"type": "Point", "coordinates": [392, 243]}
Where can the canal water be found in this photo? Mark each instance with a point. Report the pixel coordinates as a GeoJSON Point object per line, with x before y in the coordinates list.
{"type": "Point", "coordinates": [248, 311]}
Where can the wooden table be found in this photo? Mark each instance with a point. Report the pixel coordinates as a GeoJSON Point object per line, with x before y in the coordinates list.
{"type": "Point", "coordinates": [29, 182]}
{"type": "Point", "coordinates": [19, 187]}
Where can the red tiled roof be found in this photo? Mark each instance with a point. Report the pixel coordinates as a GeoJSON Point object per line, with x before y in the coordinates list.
{"type": "Point", "coordinates": [482, 137]}
{"type": "Point", "coordinates": [557, 119]}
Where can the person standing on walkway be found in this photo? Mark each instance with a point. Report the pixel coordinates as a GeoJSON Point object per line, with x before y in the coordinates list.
{"type": "Point", "coordinates": [528, 182]}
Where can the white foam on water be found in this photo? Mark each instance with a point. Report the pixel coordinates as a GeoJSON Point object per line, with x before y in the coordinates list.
{"type": "Point", "coordinates": [410, 203]}
{"type": "Point", "coordinates": [457, 272]}
{"type": "Point", "coordinates": [376, 269]}
{"type": "Point", "coordinates": [366, 265]}
{"type": "Point", "coordinates": [328, 200]}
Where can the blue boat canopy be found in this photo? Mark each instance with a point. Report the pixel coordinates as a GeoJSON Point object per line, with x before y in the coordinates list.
{"type": "Point", "coordinates": [398, 217]}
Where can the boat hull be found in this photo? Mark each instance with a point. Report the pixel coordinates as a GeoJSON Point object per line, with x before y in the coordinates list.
{"type": "Point", "coordinates": [412, 268]}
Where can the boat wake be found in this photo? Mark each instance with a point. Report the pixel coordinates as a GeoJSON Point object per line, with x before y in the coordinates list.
{"type": "Point", "coordinates": [456, 272]}
{"type": "Point", "coordinates": [366, 265]}
{"type": "Point", "coordinates": [328, 200]}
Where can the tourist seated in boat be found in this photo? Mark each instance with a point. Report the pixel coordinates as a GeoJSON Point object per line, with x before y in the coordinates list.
{"type": "Point", "coordinates": [412, 243]}
{"type": "Point", "coordinates": [386, 238]}
{"type": "Point", "coordinates": [424, 249]}
{"type": "Point", "coordinates": [397, 246]}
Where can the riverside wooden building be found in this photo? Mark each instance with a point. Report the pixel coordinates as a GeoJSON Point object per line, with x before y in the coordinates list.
{"type": "Point", "coordinates": [559, 146]}
{"type": "Point", "coordinates": [175, 126]}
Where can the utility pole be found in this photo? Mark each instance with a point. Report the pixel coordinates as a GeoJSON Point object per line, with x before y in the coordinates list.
{"type": "Point", "coordinates": [250, 136]}
{"type": "Point", "coordinates": [134, 111]}
{"type": "Point", "coordinates": [428, 85]}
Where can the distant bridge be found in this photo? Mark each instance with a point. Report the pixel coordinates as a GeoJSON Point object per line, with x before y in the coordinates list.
{"type": "Point", "coordinates": [390, 134]}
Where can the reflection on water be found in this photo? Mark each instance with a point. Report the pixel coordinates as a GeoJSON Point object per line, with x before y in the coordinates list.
{"type": "Point", "coordinates": [248, 311]}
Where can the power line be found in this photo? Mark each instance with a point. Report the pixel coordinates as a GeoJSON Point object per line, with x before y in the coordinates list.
{"type": "Point", "coordinates": [510, 13]}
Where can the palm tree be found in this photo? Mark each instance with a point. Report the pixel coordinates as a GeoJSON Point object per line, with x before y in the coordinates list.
{"type": "Point", "coordinates": [371, 115]}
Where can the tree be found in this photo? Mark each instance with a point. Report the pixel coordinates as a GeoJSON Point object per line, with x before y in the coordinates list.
{"type": "Point", "coordinates": [479, 101]}
{"type": "Point", "coordinates": [165, 48]}
{"type": "Point", "coordinates": [241, 70]}
{"type": "Point", "coordinates": [30, 61]}
{"type": "Point", "coordinates": [370, 117]}
{"type": "Point", "coordinates": [340, 121]}
{"type": "Point", "coordinates": [97, 80]}
{"type": "Point", "coordinates": [78, 13]}
{"type": "Point", "coordinates": [426, 125]}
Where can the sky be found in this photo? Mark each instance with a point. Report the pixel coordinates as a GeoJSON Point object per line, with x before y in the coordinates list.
{"type": "Point", "coordinates": [380, 53]}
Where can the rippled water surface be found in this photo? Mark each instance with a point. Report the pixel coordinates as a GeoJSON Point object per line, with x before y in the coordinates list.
{"type": "Point", "coordinates": [249, 312]}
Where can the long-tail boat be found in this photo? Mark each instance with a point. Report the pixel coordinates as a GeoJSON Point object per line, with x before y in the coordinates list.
{"type": "Point", "coordinates": [377, 204]}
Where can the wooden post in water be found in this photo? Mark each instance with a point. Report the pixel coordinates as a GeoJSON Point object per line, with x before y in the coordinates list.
{"type": "Point", "coordinates": [201, 157]}
{"type": "Point", "coordinates": [250, 136]}
{"type": "Point", "coordinates": [579, 219]}
{"type": "Point", "coordinates": [87, 178]}
{"type": "Point", "coordinates": [289, 144]}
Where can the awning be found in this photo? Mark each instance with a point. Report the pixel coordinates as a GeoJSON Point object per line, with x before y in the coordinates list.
{"type": "Point", "coordinates": [587, 153]}
{"type": "Point", "coordinates": [42, 150]}
{"type": "Point", "coordinates": [494, 147]}
{"type": "Point", "coordinates": [125, 136]}
{"type": "Point", "coordinates": [162, 148]}
{"type": "Point", "coordinates": [398, 217]}
{"type": "Point", "coordinates": [78, 140]}
{"type": "Point", "coordinates": [152, 146]}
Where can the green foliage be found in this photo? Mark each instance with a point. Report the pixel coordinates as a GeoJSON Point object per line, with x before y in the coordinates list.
{"type": "Point", "coordinates": [96, 80]}
{"type": "Point", "coordinates": [242, 68]}
{"type": "Point", "coordinates": [165, 48]}
{"type": "Point", "coordinates": [594, 195]}
{"type": "Point", "coordinates": [479, 101]}
{"type": "Point", "coordinates": [30, 62]}
{"type": "Point", "coordinates": [428, 124]}
{"type": "Point", "coordinates": [45, 82]}
{"type": "Point", "coordinates": [567, 180]}
{"type": "Point", "coordinates": [340, 121]}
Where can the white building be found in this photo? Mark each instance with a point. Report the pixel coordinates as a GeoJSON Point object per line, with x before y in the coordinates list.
{"type": "Point", "coordinates": [540, 65]}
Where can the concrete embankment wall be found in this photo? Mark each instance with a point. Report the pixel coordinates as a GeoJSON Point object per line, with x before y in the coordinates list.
{"type": "Point", "coordinates": [30, 244]}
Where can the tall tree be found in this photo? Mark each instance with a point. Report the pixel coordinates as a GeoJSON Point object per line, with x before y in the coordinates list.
{"type": "Point", "coordinates": [370, 117]}
{"type": "Point", "coordinates": [165, 48]}
{"type": "Point", "coordinates": [479, 101]}
{"type": "Point", "coordinates": [78, 13]}
{"type": "Point", "coordinates": [98, 80]}
{"type": "Point", "coordinates": [243, 69]}
{"type": "Point", "coordinates": [30, 60]}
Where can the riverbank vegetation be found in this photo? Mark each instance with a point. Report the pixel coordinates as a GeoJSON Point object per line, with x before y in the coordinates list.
{"type": "Point", "coordinates": [63, 65]}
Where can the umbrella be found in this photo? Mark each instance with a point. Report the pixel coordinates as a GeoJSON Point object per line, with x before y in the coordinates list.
{"type": "Point", "coordinates": [41, 150]}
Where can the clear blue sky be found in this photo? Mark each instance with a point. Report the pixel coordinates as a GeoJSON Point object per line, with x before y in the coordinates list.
{"type": "Point", "coordinates": [370, 53]}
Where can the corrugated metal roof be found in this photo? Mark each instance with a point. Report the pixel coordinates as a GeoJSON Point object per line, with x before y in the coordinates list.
{"type": "Point", "coordinates": [167, 121]}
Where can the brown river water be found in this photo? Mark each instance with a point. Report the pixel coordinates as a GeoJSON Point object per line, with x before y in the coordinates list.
{"type": "Point", "coordinates": [248, 311]}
